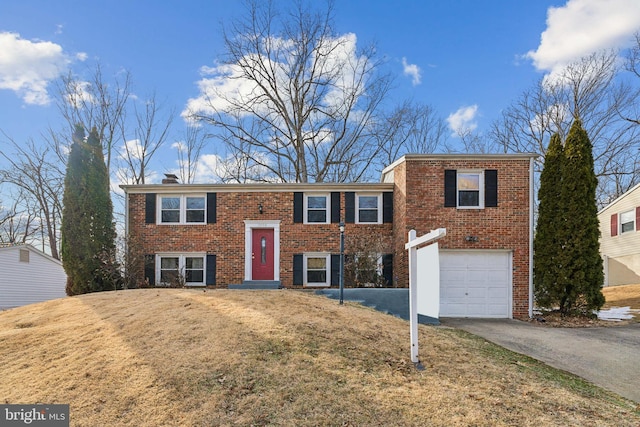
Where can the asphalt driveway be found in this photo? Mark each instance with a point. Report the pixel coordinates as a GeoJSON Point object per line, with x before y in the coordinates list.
{"type": "Point", "coordinates": [608, 357]}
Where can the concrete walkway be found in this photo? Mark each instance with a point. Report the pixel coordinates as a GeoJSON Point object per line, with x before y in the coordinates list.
{"type": "Point", "coordinates": [608, 357]}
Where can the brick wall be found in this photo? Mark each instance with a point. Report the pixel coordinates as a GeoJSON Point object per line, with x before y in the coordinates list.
{"type": "Point", "coordinates": [418, 186]}
{"type": "Point", "coordinates": [226, 237]}
{"type": "Point", "coordinates": [506, 227]}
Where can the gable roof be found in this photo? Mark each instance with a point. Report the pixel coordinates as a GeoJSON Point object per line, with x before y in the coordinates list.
{"type": "Point", "coordinates": [620, 198]}
{"type": "Point", "coordinates": [31, 248]}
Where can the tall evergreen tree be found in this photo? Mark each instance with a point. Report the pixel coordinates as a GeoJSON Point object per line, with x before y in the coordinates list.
{"type": "Point", "coordinates": [88, 230]}
{"type": "Point", "coordinates": [547, 244]}
{"type": "Point", "coordinates": [581, 275]}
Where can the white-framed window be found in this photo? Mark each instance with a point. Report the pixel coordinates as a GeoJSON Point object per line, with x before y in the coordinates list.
{"type": "Point", "coordinates": [369, 208]}
{"type": "Point", "coordinates": [182, 209]}
{"type": "Point", "coordinates": [470, 191]}
{"type": "Point", "coordinates": [316, 208]}
{"type": "Point", "coordinates": [181, 269]}
{"type": "Point", "coordinates": [627, 221]}
{"type": "Point", "coordinates": [317, 269]}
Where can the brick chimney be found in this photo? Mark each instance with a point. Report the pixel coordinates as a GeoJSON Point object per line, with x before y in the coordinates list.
{"type": "Point", "coordinates": [170, 179]}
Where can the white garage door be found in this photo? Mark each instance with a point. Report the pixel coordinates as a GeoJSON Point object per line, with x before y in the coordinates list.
{"type": "Point", "coordinates": [475, 284]}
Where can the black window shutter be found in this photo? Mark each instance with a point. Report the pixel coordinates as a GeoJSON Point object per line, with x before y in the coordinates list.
{"type": "Point", "coordinates": [450, 187]}
{"type": "Point", "coordinates": [150, 208]}
{"type": "Point", "coordinates": [350, 207]}
{"type": "Point", "coordinates": [298, 209]}
{"type": "Point", "coordinates": [335, 207]}
{"type": "Point", "coordinates": [491, 188]}
{"type": "Point", "coordinates": [150, 269]}
{"type": "Point", "coordinates": [298, 274]}
{"type": "Point", "coordinates": [387, 269]}
{"type": "Point", "coordinates": [211, 270]}
{"type": "Point", "coordinates": [387, 207]}
{"type": "Point", "coordinates": [335, 270]}
{"type": "Point", "coordinates": [211, 208]}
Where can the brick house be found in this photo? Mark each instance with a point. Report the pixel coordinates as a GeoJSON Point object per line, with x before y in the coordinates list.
{"type": "Point", "coordinates": [221, 235]}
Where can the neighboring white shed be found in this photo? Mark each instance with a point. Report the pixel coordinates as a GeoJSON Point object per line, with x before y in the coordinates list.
{"type": "Point", "coordinates": [28, 275]}
{"type": "Point", "coordinates": [620, 239]}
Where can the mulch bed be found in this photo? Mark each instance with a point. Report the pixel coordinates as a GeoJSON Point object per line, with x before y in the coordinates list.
{"type": "Point", "coordinates": [553, 319]}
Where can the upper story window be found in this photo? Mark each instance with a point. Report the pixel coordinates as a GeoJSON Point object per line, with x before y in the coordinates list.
{"type": "Point", "coordinates": [369, 210]}
{"type": "Point", "coordinates": [627, 221]}
{"type": "Point", "coordinates": [182, 209]}
{"type": "Point", "coordinates": [470, 190]}
{"type": "Point", "coordinates": [316, 208]}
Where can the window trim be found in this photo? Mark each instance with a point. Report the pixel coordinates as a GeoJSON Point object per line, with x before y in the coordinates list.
{"type": "Point", "coordinates": [305, 279]}
{"type": "Point", "coordinates": [481, 189]}
{"type": "Point", "coordinates": [182, 209]}
{"type": "Point", "coordinates": [327, 207]}
{"type": "Point", "coordinates": [378, 208]}
{"type": "Point", "coordinates": [182, 261]}
{"type": "Point", "coordinates": [632, 213]}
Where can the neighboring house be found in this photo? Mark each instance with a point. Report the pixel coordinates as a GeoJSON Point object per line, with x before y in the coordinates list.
{"type": "Point", "coordinates": [620, 239]}
{"type": "Point", "coordinates": [28, 275]}
{"type": "Point", "coordinates": [221, 235]}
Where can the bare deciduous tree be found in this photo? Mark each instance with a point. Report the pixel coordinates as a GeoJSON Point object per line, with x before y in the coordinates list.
{"type": "Point", "coordinates": [189, 150]}
{"type": "Point", "coordinates": [38, 175]}
{"type": "Point", "coordinates": [95, 103]}
{"type": "Point", "coordinates": [150, 133]}
{"type": "Point", "coordinates": [298, 98]}
{"type": "Point", "coordinates": [18, 224]}
{"type": "Point", "coordinates": [587, 89]}
{"type": "Point", "coordinates": [410, 128]}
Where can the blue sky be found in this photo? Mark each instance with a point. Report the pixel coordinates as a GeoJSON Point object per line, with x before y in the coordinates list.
{"type": "Point", "coordinates": [468, 59]}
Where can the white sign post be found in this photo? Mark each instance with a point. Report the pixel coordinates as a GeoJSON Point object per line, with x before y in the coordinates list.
{"type": "Point", "coordinates": [412, 247]}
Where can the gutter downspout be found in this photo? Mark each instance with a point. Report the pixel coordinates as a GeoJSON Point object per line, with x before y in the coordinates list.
{"type": "Point", "coordinates": [531, 218]}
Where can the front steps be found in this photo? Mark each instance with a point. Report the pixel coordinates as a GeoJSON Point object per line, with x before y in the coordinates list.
{"type": "Point", "coordinates": [257, 284]}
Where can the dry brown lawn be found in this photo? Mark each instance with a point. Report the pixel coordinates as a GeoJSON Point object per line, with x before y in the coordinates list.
{"type": "Point", "coordinates": [622, 296]}
{"type": "Point", "coordinates": [177, 357]}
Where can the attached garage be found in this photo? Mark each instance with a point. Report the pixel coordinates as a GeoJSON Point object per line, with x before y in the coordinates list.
{"type": "Point", "coordinates": [475, 283]}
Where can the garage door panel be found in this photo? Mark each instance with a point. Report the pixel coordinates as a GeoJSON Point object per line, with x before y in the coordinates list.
{"type": "Point", "coordinates": [452, 276]}
{"type": "Point", "coordinates": [496, 310]}
{"type": "Point", "coordinates": [475, 284]}
{"type": "Point", "coordinates": [477, 293]}
{"type": "Point", "coordinates": [496, 293]}
{"type": "Point", "coordinates": [455, 310]}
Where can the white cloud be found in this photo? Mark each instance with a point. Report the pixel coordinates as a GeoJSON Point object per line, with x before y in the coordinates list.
{"type": "Point", "coordinates": [208, 168]}
{"type": "Point", "coordinates": [556, 113]}
{"type": "Point", "coordinates": [27, 67]}
{"type": "Point", "coordinates": [80, 94]}
{"type": "Point", "coordinates": [224, 85]}
{"type": "Point", "coordinates": [582, 27]}
{"type": "Point", "coordinates": [81, 56]}
{"type": "Point", "coordinates": [134, 148]}
{"type": "Point", "coordinates": [413, 71]}
{"type": "Point", "coordinates": [463, 120]}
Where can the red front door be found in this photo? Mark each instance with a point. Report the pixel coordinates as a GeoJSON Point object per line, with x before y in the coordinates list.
{"type": "Point", "coordinates": [262, 254]}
